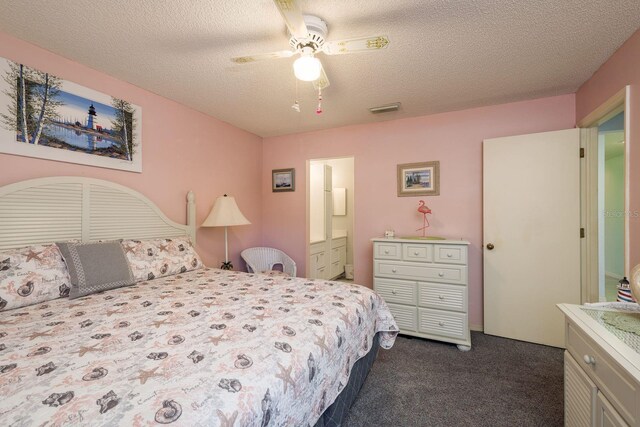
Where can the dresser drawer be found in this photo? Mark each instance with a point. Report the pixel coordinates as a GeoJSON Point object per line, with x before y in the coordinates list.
{"type": "Point", "coordinates": [442, 323]}
{"type": "Point", "coordinates": [608, 376]}
{"type": "Point", "coordinates": [450, 254]}
{"type": "Point", "coordinates": [426, 272]}
{"type": "Point", "coordinates": [387, 250]}
{"type": "Point", "coordinates": [443, 297]}
{"type": "Point", "coordinates": [406, 317]}
{"type": "Point", "coordinates": [416, 252]}
{"type": "Point", "coordinates": [397, 291]}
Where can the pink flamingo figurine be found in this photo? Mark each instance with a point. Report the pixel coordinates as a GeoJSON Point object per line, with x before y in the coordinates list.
{"type": "Point", "coordinates": [424, 210]}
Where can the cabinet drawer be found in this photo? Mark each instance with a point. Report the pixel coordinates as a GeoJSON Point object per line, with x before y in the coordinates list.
{"type": "Point", "coordinates": [425, 272]}
{"type": "Point", "coordinates": [396, 290]}
{"type": "Point", "coordinates": [443, 297]}
{"type": "Point", "coordinates": [450, 254]}
{"type": "Point", "coordinates": [443, 323]}
{"type": "Point", "coordinates": [340, 241]}
{"type": "Point", "coordinates": [387, 250]}
{"type": "Point", "coordinates": [414, 252]}
{"type": "Point", "coordinates": [605, 372]}
{"type": "Point", "coordinates": [337, 269]}
{"type": "Point", "coordinates": [338, 254]}
{"type": "Point", "coordinates": [406, 317]}
{"type": "Point", "coordinates": [320, 258]}
{"type": "Point", "coordinates": [317, 248]}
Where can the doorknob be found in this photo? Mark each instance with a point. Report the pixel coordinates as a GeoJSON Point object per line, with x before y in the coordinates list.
{"type": "Point", "coordinates": [490, 246]}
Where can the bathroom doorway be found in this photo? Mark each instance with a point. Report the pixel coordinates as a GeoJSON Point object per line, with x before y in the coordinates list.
{"type": "Point", "coordinates": [330, 215]}
{"type": "Point", "coordinates": [611, 165]}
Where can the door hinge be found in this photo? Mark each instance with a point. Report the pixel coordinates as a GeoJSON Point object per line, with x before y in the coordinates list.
{"type": "Point", "coordinates": [582, 233]}
{"type": "Point", "coordinates": [582, 153]}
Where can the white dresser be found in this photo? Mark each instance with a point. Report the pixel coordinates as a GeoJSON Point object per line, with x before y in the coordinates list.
{"type": "Point", "coordinates": [425, 285]}
{"type": "Point", "coordinates": [601, 369]}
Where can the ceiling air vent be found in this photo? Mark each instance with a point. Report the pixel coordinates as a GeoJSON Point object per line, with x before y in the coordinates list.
{"type": "Point", "coordinates": [385, 108]}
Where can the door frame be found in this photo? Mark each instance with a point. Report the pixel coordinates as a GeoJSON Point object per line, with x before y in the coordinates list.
{"type": "Point", "coordinates": [589, 190]}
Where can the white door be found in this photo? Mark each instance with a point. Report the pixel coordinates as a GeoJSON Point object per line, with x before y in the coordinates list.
{"type": "Point", "coordinates": [531, 208]}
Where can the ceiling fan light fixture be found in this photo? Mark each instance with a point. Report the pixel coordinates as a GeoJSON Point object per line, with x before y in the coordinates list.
{"type": "Point", "coordinates": [307, 68]}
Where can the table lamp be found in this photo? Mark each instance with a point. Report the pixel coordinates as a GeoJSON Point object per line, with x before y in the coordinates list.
{"type": "Point", "coordinates": [225, 213]}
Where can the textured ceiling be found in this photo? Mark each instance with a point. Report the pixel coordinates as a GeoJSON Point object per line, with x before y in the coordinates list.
{"type": "Point", "coordinates": [444, 54]}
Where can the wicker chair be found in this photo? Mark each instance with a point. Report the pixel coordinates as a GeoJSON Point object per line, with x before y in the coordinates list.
{"type": "Point", "coordinates": [264, 259]}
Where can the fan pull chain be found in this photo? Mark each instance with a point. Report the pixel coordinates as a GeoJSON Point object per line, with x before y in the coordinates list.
{"type": "Point", "coordinates": [296, 104]}
{"type": "Point", "coordinates": [319, 109]}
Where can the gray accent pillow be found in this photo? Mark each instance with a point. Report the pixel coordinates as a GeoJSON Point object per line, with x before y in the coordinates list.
{"type": "Point", "coordinates": [95, 267]}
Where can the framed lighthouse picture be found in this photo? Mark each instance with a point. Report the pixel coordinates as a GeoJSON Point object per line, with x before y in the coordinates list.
{"type": "Point", "coordinates": [44, 116]}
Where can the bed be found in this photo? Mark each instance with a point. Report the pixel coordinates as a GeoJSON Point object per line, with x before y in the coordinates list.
{"type": "Point", "coordinates": [202, 347]}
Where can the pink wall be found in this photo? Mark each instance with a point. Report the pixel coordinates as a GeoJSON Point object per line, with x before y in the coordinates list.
{"type": "Point", "coordinates": [182, 150]}
{"type": "Point", "coordinates": [455, 139]}
{"type": "Point", "coordinates": [622, 69]}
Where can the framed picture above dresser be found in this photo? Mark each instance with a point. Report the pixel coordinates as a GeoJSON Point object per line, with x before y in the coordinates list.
{"type": "Point", "coordinates": [425, 285]}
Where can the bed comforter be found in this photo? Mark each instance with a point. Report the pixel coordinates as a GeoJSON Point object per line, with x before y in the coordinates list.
{"type": "Point", "coordinates": [208, 347]}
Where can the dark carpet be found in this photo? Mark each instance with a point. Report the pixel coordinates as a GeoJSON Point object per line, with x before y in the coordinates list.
{"type": "Point", "coordinates": [500, 382]}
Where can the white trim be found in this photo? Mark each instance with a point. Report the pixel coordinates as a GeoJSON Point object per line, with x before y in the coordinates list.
{"type": "Point", "coordinates": [613, 275]}
{"type": "Point", "coordinates": [46, 210]}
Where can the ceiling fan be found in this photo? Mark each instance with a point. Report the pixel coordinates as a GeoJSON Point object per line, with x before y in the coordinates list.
{"type": "Point", "coordinates": [307, 38]}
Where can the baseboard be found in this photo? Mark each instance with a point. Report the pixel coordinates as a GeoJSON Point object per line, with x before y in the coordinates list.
{"type": "Point", "coordinates": [612, 275]}
{"type": "Point", "coordinates": [477, 328]}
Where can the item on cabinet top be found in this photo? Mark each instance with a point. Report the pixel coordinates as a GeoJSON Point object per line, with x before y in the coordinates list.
{"type": "Point", "coordinates": [424, 210]}
{"type": "Point", "coordinates": [389, 234]}
{"type": "Point", "coordinates": [635, 282]}
{"type": "Point", "coordinates": [225, 213]}
{"type": "Point", "coordinates": [624, 291]}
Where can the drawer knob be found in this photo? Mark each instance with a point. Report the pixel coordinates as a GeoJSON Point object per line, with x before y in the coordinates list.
{"type": "Point", "coordinates": [589, 360]}
{"type": "Point", "coordinates": [441, 274]}
{"type": "Point", "coordinates": [449, 255]}
{"type": "Point", "coordinates": [441, 324]}
{"type": "Point", "coordinates": [386, 251]}
{"type": "Point", "coordinates": [393, 270]}
{"type": "Point", "coordinates": [441, 297]}
{"type": "Point", "coordinates": [416, 253]}
{"type": "Point", "coordinates": [394, 292]}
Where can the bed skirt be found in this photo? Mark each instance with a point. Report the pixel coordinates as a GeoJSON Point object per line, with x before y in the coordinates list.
{"type": "Point", "coordinates": [335, 414]}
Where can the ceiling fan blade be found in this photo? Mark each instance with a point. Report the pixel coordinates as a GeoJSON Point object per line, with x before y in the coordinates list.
{"type": "Point", "coordinates": [263, 56]}
{"type": "Point", "coordinates": [322, 81]}
{"type": "Point", "coordinates": [361, 44]}
{"type": "Point", "coordinates": [292, 15]}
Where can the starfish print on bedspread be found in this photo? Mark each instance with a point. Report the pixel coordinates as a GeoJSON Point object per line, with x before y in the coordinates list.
{"type": "Point", "coordinates": [158, 323]}
{"type": "Point", "coordinates": [216, 340]}
{"type": "Point", "coordinates": [345, 318]}
{"type": "Point", "coordinates": [143, 376]}
{"type": "Point", "coordinates": [33, 255]}
{"type": "Point", "coordinates": [227, 422]}
{"type": "Point", "coordinates": [321, 342]}
{"type": "Point", "coordinates": [39, 334]}
{"type": "Point", "coordinates": [84, 350]}
{"type": "Point", "coordinates": [285, 376]}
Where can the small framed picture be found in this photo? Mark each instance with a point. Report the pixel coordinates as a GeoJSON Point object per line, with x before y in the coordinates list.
{"type": "Point", "coordinates": [283, 180]}
{"type": "Point", "coordinates": [419, 179]}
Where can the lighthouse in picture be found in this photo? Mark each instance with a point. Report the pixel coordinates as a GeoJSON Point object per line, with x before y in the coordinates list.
{"type": "Point", "coordinates": [92, 120]}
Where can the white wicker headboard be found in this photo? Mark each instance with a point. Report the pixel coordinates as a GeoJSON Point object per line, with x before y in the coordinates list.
{"type": "Point", "coordinates": [55, 209]}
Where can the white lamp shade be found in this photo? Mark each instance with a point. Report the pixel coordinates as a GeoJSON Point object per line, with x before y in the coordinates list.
{"type": "Point", "coordinates": [225, 212]}
{"type": "Point", "coordinates": [307, 68]}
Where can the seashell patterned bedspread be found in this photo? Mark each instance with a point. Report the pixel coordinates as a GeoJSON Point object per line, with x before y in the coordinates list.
{"type": "Point", "coordinates": [208, 347]}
